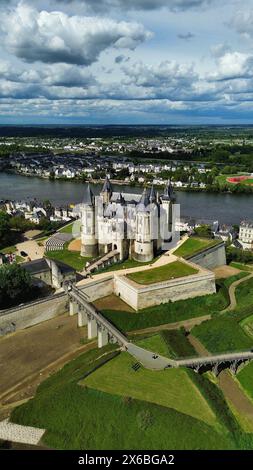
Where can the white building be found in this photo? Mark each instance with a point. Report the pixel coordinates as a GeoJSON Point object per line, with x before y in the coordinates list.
{"type": "Point", "coordinates": [246, 235]}
{"type": "Point", "coordinates": [132, 225]}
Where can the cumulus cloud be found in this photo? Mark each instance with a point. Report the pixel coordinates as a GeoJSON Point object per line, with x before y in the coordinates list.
{"type": "Point", "coordinates": [52, 37]}
{"type": "Point", "coordinates": [234, 65]}
{"type": "Point", "coordinates": [243, 23]}
{"type": "Point", "coordinates": [174, 5]}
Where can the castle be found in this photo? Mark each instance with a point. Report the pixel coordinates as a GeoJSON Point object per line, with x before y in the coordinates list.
{"type": "Point", "coordinates": [135, 226]}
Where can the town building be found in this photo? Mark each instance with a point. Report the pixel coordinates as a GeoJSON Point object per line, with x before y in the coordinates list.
{"type": "Point", "coordinates": [246, 235]}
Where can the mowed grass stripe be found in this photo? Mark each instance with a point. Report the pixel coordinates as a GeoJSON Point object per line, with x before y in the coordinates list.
{"type": "Point", "coordinates": [163, 273]}
{"type": "Point", "coordinates": [194, 245]}
{"type": "Point", "coordinates": [170, 388]}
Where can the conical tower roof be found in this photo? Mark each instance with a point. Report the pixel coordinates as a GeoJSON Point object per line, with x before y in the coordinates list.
{"type": "Point", "coordinates": [107, 188]}
{"type": "Point", "coordinates": [168, 193]}
{"type": "Point", "coordinates": [88, 197]}
{"type": "Point", "coordinates": [152, 194]}
{"type": "Point", "coordinates": [144, 201]}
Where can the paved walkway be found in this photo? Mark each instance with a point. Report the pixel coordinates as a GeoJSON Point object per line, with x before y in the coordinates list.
{"type": "Point", "coordinates": [231, 293]}
{"type": "Point", "coordinates": [17, 433]}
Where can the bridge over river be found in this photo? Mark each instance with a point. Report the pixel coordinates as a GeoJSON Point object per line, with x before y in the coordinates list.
{"type": "Point", "coordinates": [99, 326]}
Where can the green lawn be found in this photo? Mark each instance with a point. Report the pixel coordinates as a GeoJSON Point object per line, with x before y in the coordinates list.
{"type": "Point", "coordinates": [77, 417]}
{"type": "Point", "coordinates": [163, 273]}
{"type": "Point", "coordinates": [72, 258]}
{"type": "Point", "coordinates": [168, 343]}
{"type": "Point", "coordinates": [9, 250]}
{"type": "Point", "coordinates": [170, 312]}
{"type": "Point", "coordinates": [154, 343]}
{"type": "Point", "coordinates": [67, 228]}
{"type": "Point", "coordinates": [178, 344]}
{"type": "Point", "coordinates": [245, 377]}
{"type": "Point", "coordinates": [222, 334]}
{"type": "Point", "coordinates": [243, 267]}
{"type": "Point", "coordinates": [171, 388]}
{"type": "Point", "coordinates": [129, 263]}
{"type": "Point", "coordinates": [194, 245]}
{"type": "Point", "coordinates": [244, 294]}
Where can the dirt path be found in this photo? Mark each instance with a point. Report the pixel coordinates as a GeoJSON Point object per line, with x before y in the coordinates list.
{"type": "Point", "coordinates": [231, 293]}
{"type": "Point", "coordinates": [26, 389]}
{"type": "Point", "coordinates": [29, 356]}
{"type": "Point", "coordinates": [187, 324]}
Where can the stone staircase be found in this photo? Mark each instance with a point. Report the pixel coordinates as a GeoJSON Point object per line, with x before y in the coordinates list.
{"type": "Point", "coordinates": [104, 261]}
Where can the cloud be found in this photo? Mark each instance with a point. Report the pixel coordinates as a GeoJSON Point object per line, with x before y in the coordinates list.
{"type": "Point", "coordinates": [174, 5]}
{"type": "Point", "coordinates": [243, 23]}
{"type": "Point", "coordinates": [220, 49]}
{"type": "Point", "coordinates": [186, 36]}
{"type": "Point", "coordinates": [54, 37]}
{"type": "Point", "coordinates": [234, 65]}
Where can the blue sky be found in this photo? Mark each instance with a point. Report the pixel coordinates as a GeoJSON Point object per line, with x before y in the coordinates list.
{"type": "Point", "coordinates": [126, 61]}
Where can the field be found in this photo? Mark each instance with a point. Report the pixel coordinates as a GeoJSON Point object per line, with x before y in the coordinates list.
{"type": "Point", "coordinates": [172, 343]}
{"type": "Point", "coordinates": [194, 245]}
{"type": "Point", "coordinates": [245, 377]}
{"type": "Point", "coordinates": [72, 258]}
{"type": "Point", "coordinates": [67, 228]}
{"type": "Point", "coordinates": [129, 263]}
{"type": "Point", "coordinates": [222, 334]}
{"type": "Point", "coordinates": [77, 417]}
{"type": "Point", "coordinates": [171, 388]}
{"type": "Point", "coordinates": [163, 273]}
{"type": "Point", "coordinates": [172, 311]}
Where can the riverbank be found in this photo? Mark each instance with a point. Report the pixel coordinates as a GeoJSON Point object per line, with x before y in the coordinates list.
{"type": "Point", "coordinates": [204, 206]}
{"type": "Point", "coordinates": [210, 189]}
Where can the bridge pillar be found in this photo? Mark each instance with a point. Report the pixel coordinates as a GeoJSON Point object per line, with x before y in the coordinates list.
{"type": "Point", "coordinates": [234, 367]}
{"type": "Point", "coordinates": [82, 318]}
{"type": "Point", "coordinates": [92, 328]}
{"type": "Point", "coordinates": [102, 337]}
{"type": "Point", "coordinates": [73, 307]}
{"type": "Point", "coordinates": [215, 369]}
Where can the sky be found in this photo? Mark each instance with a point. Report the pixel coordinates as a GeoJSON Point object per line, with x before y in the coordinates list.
{"type": "Point", "coordinates": [126, 62]}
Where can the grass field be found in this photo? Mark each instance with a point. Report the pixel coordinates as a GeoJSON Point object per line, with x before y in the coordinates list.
{"type": "Point", "coordinates": [163, 273]}
{"type": "Point", "coordinates": [129, 263]}
{"type": "Point", "coordinates": [154, 343]}
{"type": "Point", "coordinates": [171, 388]}
{"type": "Point", "coordinates": [170, 312]}
{"type": "Point", "coordinates": [222, 334]}
{"type": "Point", "coordinates": [168, 343]}
{"type": "Point", "coordinates": [72, 258]}
{"type": "Point", "coordinates": [82, 418]}
{"type": "Point", "coordinates": [244, 294]}
{"type": "Point", "coordinates": [194, 245]}
{"type": "Point", "coordinates": [243, 267]}
{"type": "Point", "coordinates": [245, 377]}
{"type": "Point", "coordinates": [67, 228]}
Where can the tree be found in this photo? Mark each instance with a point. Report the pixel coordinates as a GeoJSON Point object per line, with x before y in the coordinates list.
{"type": "Point", "coordinates": [15, 286]}
{"type": "Point", "coordinates": [203, 231]}
{"type": "Point", "coordinates": [4, 227]}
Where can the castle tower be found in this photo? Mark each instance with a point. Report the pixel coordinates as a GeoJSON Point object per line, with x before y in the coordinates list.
{"type": "Point", "coordinates": [89, 244]}
{"type": "Point", "coordinates": [143, 245]}
{"type": "Point", "coordinates": [167, 199]}
{"type": "Point", "coordinates": [107, 191]}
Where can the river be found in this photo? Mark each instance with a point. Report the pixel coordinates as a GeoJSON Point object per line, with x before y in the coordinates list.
{"type": "Point", "coordinates": [226, 208]}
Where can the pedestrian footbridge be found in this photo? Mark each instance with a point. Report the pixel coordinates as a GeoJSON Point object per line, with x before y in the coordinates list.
{"type": "Point", "coordinates": [105, 331]}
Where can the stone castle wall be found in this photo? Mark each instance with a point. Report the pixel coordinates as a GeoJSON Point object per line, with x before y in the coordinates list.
{"type": "Point", "coordinates": [139, 297]}
{"type": "Point", "coordinates": [33, 313]}
{"type": "Point", "coordinates": [27, 315]}
{"type": "Point", "coordinates": [211, 257]}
